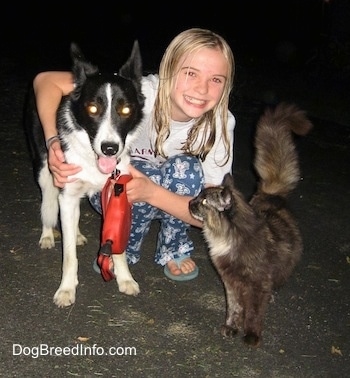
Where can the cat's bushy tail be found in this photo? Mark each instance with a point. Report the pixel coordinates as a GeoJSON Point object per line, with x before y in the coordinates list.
{"type": "Point", "coordinates": [276, 157]}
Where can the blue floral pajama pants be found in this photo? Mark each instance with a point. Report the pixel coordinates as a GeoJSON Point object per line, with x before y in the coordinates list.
{"type": "Point", "coordinates": [181, 174]}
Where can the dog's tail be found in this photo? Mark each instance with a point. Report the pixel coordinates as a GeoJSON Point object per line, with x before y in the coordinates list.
{"type": "Point", "coordinates": [276, 159]}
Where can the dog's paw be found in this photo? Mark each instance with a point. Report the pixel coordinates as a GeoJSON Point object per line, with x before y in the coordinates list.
{"type": "Point", "coordinates": [81, 239]}
{"type": "Point", "coordinates": [64, 298]}
{"type": "Point", "coordinates": [129, 287]}
{"type": "Point", "coordinates": [47, 242]}
{"type": "Point", "coordinates": [47, 238]}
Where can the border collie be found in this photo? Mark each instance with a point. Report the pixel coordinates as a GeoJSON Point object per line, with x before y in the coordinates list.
{"type": "Point", "coordinates": [95, 124]}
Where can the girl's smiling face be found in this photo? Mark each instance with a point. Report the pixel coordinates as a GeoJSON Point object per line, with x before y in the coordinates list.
{"type": "Point", "coordinates": [199, 84]}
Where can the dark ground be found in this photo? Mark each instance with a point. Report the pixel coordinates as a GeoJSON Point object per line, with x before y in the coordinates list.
{"type": "Point", "coordinates": [174, 327]}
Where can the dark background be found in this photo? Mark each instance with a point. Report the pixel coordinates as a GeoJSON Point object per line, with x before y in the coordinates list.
{"type": "Point", "coordinates": [279, 46]}
{"type": "Point", "coordinates": [288, 31]}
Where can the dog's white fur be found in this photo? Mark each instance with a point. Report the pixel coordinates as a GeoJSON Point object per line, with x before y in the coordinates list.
{"type": "Point", "coordinates": [88, 181]}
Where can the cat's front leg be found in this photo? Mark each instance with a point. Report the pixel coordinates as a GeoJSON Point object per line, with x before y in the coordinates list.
{"type": "Point", "coordinates": [233, 314]}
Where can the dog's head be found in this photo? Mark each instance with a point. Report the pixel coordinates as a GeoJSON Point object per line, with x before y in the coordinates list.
{"type": "Point", "coordinates": [108, 106]}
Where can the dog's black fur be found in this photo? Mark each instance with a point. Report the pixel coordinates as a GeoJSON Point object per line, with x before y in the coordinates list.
{"type": "Point", "coordinates": [96, 124]}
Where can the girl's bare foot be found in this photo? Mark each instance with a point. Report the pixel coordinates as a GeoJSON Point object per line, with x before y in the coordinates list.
{"type": "Point", "coordinates": [185, 266]}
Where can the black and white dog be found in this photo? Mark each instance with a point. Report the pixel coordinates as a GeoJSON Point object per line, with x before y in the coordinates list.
{"type": "Point", "coordinates": [96, 124]}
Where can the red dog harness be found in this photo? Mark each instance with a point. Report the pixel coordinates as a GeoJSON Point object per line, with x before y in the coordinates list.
{"type": "Point", "coordinates": [116, 227]}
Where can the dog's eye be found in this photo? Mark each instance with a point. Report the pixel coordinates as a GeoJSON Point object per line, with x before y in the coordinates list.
{"type": "Point", "coordinates": [204, 201]}
{"type": "Point", "coordinates": [93, 109]}
{"type": "Point", "coordinates": [124, 110]}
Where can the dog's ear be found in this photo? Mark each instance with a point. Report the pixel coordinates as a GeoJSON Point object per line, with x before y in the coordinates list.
{"type": "Point", "coordinates": [81, 67]}
{"type": "Point", "coordinates": [76, 52]}
{"type": "Point", "coordinates": [132, 69]}
{"type": "Point", "coordinates": [79, 60]}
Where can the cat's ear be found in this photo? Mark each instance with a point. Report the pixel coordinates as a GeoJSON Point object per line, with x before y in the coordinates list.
{"type": "Point", "coordinates": [225, 199]}
{"type": "Point", "coordinates": [226, 193]}
{"type": "Point", "coordinates": [228, 181]}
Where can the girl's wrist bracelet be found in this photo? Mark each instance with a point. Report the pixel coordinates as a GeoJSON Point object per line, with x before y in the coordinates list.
{"type": "Point", "coordinates": [51, 140]}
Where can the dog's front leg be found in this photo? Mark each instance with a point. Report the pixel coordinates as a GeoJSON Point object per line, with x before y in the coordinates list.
{"type": "Point", "coordinates": [70, 214]}
{"type": "Point", "coordinates": [126, 282]}
{"type": "Point", "coordinates": [49, 208]}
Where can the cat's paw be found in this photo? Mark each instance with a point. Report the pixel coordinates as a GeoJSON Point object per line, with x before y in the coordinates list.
{"type": "Point", "coordinates": [228, 331]}
{"type": "Point", "coordinates": [251, 339]}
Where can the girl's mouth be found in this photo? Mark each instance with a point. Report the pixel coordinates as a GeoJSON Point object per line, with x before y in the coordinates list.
{"type": "Point", "coordinates": [194, 101]}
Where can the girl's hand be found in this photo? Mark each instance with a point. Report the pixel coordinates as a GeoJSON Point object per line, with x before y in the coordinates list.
{"type": "Point", "coordinates": [140, 188]}
{"type": "Point", "coordinates": [59, 169]}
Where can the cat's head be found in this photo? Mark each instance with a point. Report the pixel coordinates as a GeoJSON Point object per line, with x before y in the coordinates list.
{"type": "Point", "coordinates": [214, 201]}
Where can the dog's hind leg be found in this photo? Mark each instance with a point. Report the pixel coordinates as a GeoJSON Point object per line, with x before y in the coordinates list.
{"type": "Point", "coordinates": [70, 214]}
{"type": "Point", "coordinates": [49, 208]}
{"type": "Point", "coordinates": [126, 283]}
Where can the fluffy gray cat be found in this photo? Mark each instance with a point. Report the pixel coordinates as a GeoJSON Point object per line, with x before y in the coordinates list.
{"type": "Point", "coordinates": [255, 246]}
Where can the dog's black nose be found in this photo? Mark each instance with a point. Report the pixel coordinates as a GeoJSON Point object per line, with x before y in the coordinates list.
{"type": "Point", "coordinates": [109, 149]}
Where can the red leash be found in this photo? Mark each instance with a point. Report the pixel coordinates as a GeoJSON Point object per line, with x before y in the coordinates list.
{"type": "Point", "coordinates": [116, 226]}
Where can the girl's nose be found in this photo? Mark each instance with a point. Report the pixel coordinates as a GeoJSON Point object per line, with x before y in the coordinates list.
{"type": "Point", "coordinates": [202, 86]}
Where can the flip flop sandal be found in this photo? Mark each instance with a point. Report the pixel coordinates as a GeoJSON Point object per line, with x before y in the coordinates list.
{"type": "Point", "coordinates": [182, 276]}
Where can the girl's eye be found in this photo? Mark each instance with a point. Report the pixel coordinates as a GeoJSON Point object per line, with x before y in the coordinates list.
{"type": "Point", "coordinates": [189, 73]}
{"type": "Point", "coordinates": [217, 80]}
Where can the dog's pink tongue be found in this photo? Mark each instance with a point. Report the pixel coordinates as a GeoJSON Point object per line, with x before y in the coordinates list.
{"type": "Point", "coordinates": [107, 164]}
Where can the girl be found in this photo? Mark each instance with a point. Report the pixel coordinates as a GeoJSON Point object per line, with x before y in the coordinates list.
{"type": "Point", "coordinates": [185, 142]}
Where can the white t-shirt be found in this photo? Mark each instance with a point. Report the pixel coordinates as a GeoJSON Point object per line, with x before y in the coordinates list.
{"type": "Point", "coordinates": [142, 149]}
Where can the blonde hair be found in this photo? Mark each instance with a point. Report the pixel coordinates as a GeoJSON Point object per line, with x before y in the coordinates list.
{"type": "Point", "coordinates": [184, 44]}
